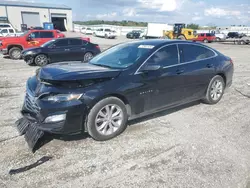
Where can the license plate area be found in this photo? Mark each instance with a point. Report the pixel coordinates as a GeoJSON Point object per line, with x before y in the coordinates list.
{"type": "Point", "coordinates": [30, 131]}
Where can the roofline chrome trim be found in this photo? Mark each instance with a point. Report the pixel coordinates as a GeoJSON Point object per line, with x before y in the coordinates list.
{"type": "Point", "coordinates": [179, 63]}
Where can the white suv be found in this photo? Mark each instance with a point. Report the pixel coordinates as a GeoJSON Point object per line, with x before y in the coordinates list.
{"type": "Point", "coordinates": [106, 33]}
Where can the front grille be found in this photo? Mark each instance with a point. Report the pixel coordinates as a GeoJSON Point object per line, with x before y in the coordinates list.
{"type": "Point", "coordinates": [30, 103]}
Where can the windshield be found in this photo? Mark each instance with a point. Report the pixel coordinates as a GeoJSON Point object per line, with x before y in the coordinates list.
{"type": "Point", "coordinates": [121, 56]}
{"type": "Point", "coordinates": [46, 44]}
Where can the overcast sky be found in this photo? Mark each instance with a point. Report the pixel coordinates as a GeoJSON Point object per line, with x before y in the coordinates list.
{"type": "Point", "coordinates": [203, 12]}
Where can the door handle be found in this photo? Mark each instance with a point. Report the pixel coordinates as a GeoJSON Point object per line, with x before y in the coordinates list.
{"type": "Point", "coordinates": [179, 71]}
{"type": "Point", "coordinates": [210, 65]}
{"type": "Point", "coordinates": [67, 50]}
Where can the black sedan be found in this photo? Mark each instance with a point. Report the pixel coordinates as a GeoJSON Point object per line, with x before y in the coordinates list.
{"type": "Point", "coordinates": [124, 82]}
{"type": "Point", "coordinates": [61, 49]}
{"type": "Point", "coordinates": [134, 34]}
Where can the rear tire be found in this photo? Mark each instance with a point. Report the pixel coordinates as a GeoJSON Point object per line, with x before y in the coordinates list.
{"type": "Point", "coordinates": [215, 90]}
{"type": "Point", "coordinates": [15, 53]}
{"type": "Point", "coordinates": [101, 120]}
{"type": "Point", "coordinates": [41, 60]}
{"type": "Point", "coordinates": [205, 41]}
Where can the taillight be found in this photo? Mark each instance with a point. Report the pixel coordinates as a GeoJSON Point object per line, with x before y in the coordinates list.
{"type": "Point", "coordinates": [231, 61]}
{"type": "Point", "coordinates": [97, 46]}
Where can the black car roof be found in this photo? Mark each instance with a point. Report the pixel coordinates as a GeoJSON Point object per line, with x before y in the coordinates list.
{"type": "Point", "coordinates": [159, 42]}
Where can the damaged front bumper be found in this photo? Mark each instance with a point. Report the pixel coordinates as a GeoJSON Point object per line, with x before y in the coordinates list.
{"type": "Point", "coordinates": [30, 131]}
{"type": "Point", "coordinates": [40, 117]}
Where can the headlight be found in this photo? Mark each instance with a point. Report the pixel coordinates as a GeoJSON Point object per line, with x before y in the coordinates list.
{"type": "Point", "coordinates": [62, 97]}
{"type": "Point", "coordinates": [29, 53]}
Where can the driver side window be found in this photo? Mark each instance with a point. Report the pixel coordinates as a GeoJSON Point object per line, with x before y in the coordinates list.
{"type": "Point", "coordinates": [167, 56]}
{"type": "Point", "coordinates": [34, 35]}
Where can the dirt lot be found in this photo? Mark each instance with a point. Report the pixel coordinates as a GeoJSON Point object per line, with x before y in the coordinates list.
{"type": "Point", "coordinates": [194, 146]}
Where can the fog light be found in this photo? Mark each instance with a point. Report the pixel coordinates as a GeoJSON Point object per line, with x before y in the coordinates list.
{"type": "Point", "coordinates": [55, 118]}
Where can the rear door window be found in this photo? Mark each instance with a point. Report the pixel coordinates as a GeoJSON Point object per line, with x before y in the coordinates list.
{"type": "Point", "coordinates": [189, 52]}
{"type": "Point", "coordinates": [46, 34]}
{"type": "Point", "coordinates": [61, 43]}
{"type": "Point", "coordinates": [11, 31]}
{"type": "Point", "coordinates": [166, 56]}
{"type": "Point", "coordinates": [75, 42]}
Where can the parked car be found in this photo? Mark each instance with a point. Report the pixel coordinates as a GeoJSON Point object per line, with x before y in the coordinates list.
{"type": "Point", "coordinates": [124, 82]}
{"type": "Point", "coordinates": [135, 34]}
{"type": "Point", "coordinates": [62, 49]}
{"type": "Point", "coordinates": [220, 36]}
{"type": "Point", "coordinates": [235, 35]}
{"type": "Point", "coordinates": [87, 31]}
{"type": "Point", "coordinates": [9, 32]}
{"type": "Point", "coordinates": [13, 46]}
{"type": "Point", "coordinates": [106, 33]}
{"type": "Point", "coordinates": [205, 37]}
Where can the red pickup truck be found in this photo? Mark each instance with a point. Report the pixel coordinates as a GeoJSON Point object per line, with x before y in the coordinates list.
{"type": "Point", "coordinates": [205, 37]}
{"type": "Point", "coordinates": [13, 46]}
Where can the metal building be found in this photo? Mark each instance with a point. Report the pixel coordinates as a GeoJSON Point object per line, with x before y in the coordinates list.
{"type": "Point", "coordinates": [35, 14]}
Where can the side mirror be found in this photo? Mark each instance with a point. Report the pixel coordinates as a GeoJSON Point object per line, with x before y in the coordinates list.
{"type": "Point", "coordinates": [29, 38]}
{"type": "Point", "coordinates": [150, 67]}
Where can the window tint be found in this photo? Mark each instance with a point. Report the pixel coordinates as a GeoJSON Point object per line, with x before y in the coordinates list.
{"type": "Point", "coordinates": [4, 31]}
{"type": "Point", "coordinates": [11, 31]}
{"type": "Point", "coordinates": [4, 25]}
{"type": "Point", "coordinates": [46, 34]}
{"type": "Point", "coordinates": [75, 42]}
{"type": "Point", "coordinates": [107, 30]}
{"type": "Point", "coordinates": [166, 56]}
{"type": "Point", "coordinates": [61, 43]}
{"type": "Point", "coordinates": [202, 35]}
{"type": "Point", "coordinates": [190, 52]}
{"type": "Point", "coordinates": [35, 35]}
{"type": "Point", "coordinates": [210, 34]}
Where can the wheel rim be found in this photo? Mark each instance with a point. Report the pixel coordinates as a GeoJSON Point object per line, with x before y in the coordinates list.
{"type": "Point", "coordinates": [88, 56]}
{"type": "Point", "coordinates": [216, 90]}
{"type": "Point", "coordinates": [109, 119]}
{"type": "Point", "coordinates": [42, 60]}
{"type": "Point", "coordinates": [16, 54]}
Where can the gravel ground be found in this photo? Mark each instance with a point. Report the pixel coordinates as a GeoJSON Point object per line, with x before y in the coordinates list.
{"type": "Point", "coordinates": [196, 145]}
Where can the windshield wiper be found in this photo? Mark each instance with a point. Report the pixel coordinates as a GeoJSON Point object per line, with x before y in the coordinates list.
{"type": "Point", "coordinates": [101, 65]}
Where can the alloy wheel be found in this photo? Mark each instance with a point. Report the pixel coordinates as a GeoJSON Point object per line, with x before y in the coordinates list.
{"type": "Point", "coordinates": [41, 60]}
{"type": "Point", "coordinates": [16, 54]}
{"type": "Point", "coordinates": [216, 90]}
{"type": "Point", "coordinates": [88, 56]}
{"type": "Point", "coordinates": [109, 119]}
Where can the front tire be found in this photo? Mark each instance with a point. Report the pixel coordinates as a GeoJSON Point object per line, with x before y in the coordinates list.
{"type": "Point", "coordinates": [87, 56]}
{"type": "Point", "coordinates": [107, 119]}
{"type": "Point", "coordinates": [15, 53]}
{"type": "Point", "coordinates": [215, 90]}
{"type": "Point", "coordinates": [41, 60]}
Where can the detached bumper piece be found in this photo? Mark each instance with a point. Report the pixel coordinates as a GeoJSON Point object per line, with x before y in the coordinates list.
{"type": "Point", "coordinates": [30, 131]}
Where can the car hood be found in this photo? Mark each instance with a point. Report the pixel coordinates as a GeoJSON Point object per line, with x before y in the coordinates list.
{"type": "Point", "coordinates": [32, 49]}
{"type": "Point", "coordinates": [75, 71]}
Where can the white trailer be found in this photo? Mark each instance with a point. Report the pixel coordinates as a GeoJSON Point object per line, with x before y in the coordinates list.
{"type": "Point", "coordinates": [155, 30]}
